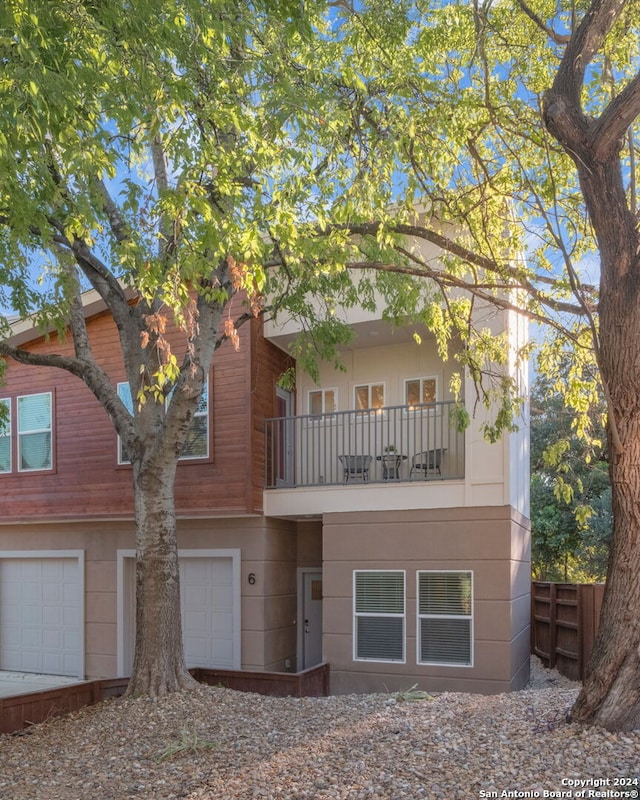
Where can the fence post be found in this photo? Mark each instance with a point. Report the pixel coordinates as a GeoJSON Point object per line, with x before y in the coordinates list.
{"type": "Point", "coordinates": [553, 636]}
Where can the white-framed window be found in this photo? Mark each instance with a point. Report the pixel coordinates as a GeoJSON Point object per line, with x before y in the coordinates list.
{"type": "Point", "coordinates": [5, 436]}
{"type": "Point", "coordinates": [418, 391]}
{"type": "Point", "coordinates": [322, 401]}
{"type": "Point", "coordinates": [35, 429]}
{"type": "Point", "coordinates": [196, 444]}
{"type": "Point", "coordinates": [379, 615]}
{"type": "Point", "coordinates": [445, 618]}
{"type": "Point", "coordinates": [368, 396]}
{"type": "Point", "coordinates": [124, 393]}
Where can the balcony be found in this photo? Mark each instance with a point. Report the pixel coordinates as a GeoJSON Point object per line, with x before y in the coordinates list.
{"type": "Point", "coordinates": [390, 446]}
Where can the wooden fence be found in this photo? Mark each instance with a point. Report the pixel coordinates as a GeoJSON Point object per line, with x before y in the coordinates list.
{"type": "Point", "coordinates": [564, 621]}
{"type": "Point", "coordinates": [22, 711]}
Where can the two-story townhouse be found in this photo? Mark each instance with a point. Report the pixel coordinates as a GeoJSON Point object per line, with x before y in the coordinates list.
{"type": "Point", "coordinates": [352, 521]}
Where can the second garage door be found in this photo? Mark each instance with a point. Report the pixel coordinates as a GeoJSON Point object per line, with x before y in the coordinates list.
{"type": "Point", "coordinates": [210, 604]}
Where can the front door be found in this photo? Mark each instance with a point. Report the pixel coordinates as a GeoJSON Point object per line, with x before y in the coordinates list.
{"type": "Point", "coordinates": [311, 619]}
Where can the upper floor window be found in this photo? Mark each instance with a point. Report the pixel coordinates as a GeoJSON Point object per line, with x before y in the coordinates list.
{"type": "Point", "coordinates": [369, 396]}
{"type": "Point", "coordinates": [323, 401]}
{"type": "Point", "coordinates": [420, 390]}
{"type": "Point", "coordinates": [196, 444]}
{"type": "Point", "coordinates": [5, 436]}
{"type": "Point", "coordinates": [124, 393]}
{"type": "Point", "coordinates": [35, 428]}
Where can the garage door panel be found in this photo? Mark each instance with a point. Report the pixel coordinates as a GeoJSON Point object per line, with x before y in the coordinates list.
{"type": "Point", "coordinates": [53, 640]}
{"type": "Point", "coordinates": [52, 593]}
{"type": "Point", "coordinates": [52, 664]}
{"type": "Point", "coordinates": [53, 616]}
{"type": "Point", "coordinates": [197, 595]}
{"type": "Point", "coordinates": [223, 623]}
{"type": "Point", "coordinates": [196, 622]}
{"type": "Point", "coordinates": [51, 570]}
{"type": "Point", "coordinates": [32, 615]}
{"type": "Point", "coordinates": [207, 611]}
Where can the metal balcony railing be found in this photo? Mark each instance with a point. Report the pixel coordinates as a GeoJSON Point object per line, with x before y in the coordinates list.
{"type": "Point", "coordinates": [393, 444]}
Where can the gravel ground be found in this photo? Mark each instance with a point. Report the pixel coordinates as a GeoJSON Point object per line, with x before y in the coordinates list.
{"type": "Point", "coordinates": [216, 744]}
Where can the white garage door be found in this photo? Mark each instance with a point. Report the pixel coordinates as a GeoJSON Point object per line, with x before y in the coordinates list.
{"type": "Point", "coordinates": [206, 589]}
{"type": "Point", "coordinates": [41, 617]}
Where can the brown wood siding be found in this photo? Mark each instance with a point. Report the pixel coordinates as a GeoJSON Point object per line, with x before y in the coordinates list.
{"type": "Point", "coordinates": [87, 481]}
{"type": "Point", "coordinates": [268, 363]}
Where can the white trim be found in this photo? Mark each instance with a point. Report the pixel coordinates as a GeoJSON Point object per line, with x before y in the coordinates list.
{"type": "Point", "coordinates": [356, 615]}
{"type": "Point", "coordinates": [121, 623]}
{"type": "Point", "coordinates": [302, 571]}
{"type": "Point", "coordinates": [322, 392]}
{"type": "Point", "coordinates": [20, 434]}
{"type": "Point", "coordinates": [8, 434]}
{"type": "Point", "coordinates": [197, 415]}
{"type": "Point", "coordinates": [80, 556]}
{"type": "Point", "coordinates": [420, 617]}
{"type": "Point", "coordinates": [369, 385]}
{"type": "Point", "coordinates": [420, 378]}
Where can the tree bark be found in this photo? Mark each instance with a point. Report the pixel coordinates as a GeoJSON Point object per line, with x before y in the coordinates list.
{"type": "Point", "coordinates": [611, 692]}
{"type": "Point", "coordinates": [159, 666]}
{"type": "Point", "coordinates": [610, 696]}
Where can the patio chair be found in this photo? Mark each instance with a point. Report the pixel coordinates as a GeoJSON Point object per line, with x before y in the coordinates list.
{"type": "Point", "coordinates": [355, 467]}
{"type": "Point", "coordinates": [428, 461]}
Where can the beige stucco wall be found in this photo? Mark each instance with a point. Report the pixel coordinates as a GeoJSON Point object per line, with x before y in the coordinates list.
{"type": "Point", "coordinates": [492, 542]}
{"type": "Point", "coordinates": [389, 364]}
{"type": "Point", "coordinates": [268, 606]}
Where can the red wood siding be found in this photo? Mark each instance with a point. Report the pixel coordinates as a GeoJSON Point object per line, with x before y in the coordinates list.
{"type": "Point", "coordinates": [268, 364]}
{"type": "Point", "coordinates": [86, 480]}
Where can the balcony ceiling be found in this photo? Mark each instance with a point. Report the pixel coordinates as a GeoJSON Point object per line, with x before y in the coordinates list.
{"type": "Point", "coordinates": [369, 333]}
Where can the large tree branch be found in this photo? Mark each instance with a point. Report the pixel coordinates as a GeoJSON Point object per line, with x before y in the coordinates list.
{"type": "Point", "coordinates": [585, 42]}
{"type": "Point", "coordinates": [562, 105]}
{"type": "Point", "coordinates": [77, 322]}
{"type": "Point", "coordinates": [609, 130]}
{"type": "Point", "coordinates": [483, 292]}
{"type": "Point", "coordinates": [503, 270]}
{"type": "Point", "coordinates": [89, 372]}
{"type": "Point", "coordinates": [75, 366]}
{"type": "Point", "coordinates": [167, 228]}
{"type": "Point", "coordinates": [117, 223]}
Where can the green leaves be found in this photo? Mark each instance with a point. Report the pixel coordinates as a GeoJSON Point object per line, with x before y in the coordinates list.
{"type": "Point", "coordinates": [570, 493]}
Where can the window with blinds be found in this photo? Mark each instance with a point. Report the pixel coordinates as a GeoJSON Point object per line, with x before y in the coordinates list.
{"type": "Point", "coordinates": [35, 432]}
{"type": "Point", "coordinates": [5, 436]}
{"type": "Point", "coordinates": [379, 615]}
{"type": "Point", "coordinates": [196, 444]}
{"type": "Point", "coordinates": [445, 618]}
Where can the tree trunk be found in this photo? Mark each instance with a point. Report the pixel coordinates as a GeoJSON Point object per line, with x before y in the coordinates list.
{"type": "Point", "coordinates": [611, 692]}
{"type": "Point", "coordinates": [159, 665]}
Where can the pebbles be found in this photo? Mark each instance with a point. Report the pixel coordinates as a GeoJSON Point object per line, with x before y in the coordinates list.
{"type": "Point", "coordinates": [216, 744]}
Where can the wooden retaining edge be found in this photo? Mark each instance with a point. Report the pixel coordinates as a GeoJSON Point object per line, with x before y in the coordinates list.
{"type": "Point", "coordinates": [19, 712]}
